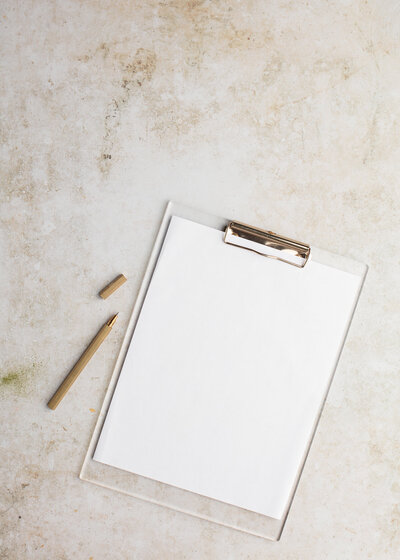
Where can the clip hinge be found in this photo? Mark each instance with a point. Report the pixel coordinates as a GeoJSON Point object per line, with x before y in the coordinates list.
{"type": "Point", "coordinates": [267, 243]}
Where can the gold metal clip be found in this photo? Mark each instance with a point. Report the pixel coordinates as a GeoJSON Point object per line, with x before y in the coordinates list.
{"type": "Point", "coordinates": [267, 243]}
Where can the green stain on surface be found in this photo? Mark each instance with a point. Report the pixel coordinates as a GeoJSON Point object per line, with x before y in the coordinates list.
{"type": "Point", "coordinates": [18, 379]}
{"type": "Point", "coordinates": [9, 379]}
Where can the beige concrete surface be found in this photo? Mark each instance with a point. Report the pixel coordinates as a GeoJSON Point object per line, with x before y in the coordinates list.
{"type": "Point", "coordinates": [279, 113]}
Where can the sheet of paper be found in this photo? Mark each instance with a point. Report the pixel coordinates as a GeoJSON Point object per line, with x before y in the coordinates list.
{"type": "Point", "coordinates": [226, 370]}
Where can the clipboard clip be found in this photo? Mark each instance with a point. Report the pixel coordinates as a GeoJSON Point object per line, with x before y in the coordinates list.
{"type": "Point", "coordinates": [267, 243]}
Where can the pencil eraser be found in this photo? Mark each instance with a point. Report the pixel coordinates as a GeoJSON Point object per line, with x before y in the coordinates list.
{"type": "Point", "coordinates": [112, 286]}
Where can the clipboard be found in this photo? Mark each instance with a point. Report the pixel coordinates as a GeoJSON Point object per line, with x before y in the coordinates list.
{"type": "Point", "coordinates": [262, 244]}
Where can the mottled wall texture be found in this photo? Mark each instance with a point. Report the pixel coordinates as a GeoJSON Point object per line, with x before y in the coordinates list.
{"type": "Point", "coordinates": [284, 114]}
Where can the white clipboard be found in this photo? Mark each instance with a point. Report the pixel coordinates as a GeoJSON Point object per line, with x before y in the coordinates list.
{"type": "Point", "coordinates": [226, 439]}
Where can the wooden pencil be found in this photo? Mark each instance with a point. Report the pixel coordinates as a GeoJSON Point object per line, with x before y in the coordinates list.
{"type": "Point", "coordinates": [81, 363]}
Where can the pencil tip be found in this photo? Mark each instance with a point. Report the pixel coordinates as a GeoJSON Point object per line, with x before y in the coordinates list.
{"type": "Point", "coordinates": [111, 322]}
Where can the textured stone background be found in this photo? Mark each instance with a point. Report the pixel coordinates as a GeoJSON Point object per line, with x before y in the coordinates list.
{"type": "Point", "coordinates": [279, 113]}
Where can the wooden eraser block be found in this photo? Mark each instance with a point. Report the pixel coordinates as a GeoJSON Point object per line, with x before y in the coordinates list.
{"type": "Point", "coordinates": [112, 286]}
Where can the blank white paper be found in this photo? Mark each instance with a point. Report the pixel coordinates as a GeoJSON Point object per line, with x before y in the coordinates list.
{"type": "Point", "coordinates": [227, 369]}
